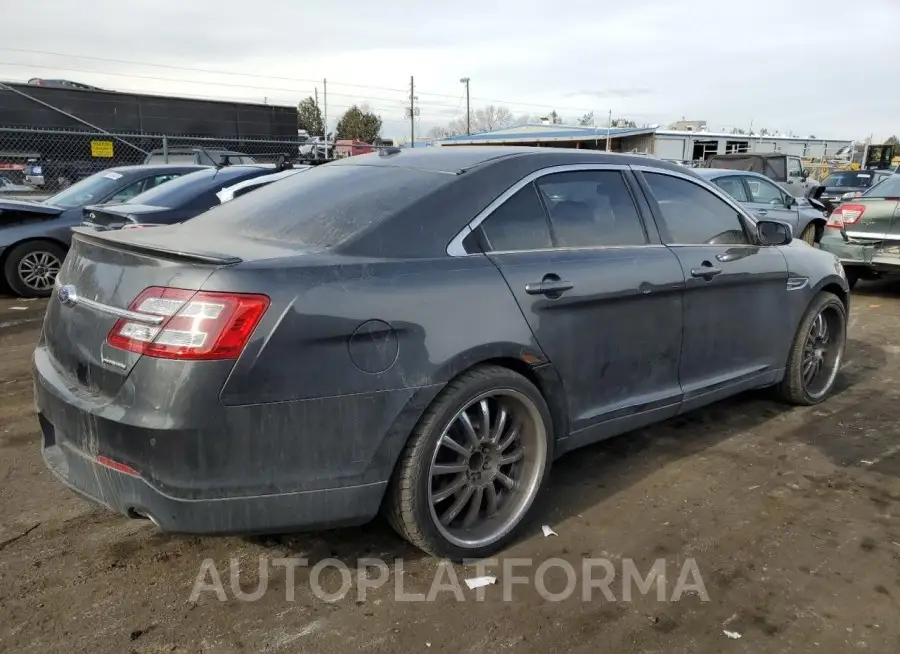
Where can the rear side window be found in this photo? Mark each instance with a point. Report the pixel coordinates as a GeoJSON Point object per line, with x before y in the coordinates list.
{"type": "Point", "coordinates": [889, 188]}
{"type": "Point", "coordinates": [692, 214]}
{"type": "Point", "coordinates": [324, 206]}
{"type": "Point", "coordinates": [518, 224]}
{"type": "Point", "coordinates": [591, 208]}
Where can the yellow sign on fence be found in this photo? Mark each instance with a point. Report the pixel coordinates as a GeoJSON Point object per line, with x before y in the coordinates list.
{"type": "Point", "coordinates": [102, 149]}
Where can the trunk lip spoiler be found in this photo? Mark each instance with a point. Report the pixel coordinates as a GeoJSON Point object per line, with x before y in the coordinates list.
{"type": "Point", "coordinates": [101, 239]}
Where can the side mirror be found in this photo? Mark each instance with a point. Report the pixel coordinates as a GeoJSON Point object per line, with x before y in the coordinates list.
{"type": "Point", "coordinates": [789, 201]}
{"type": "Point", "coordinates": [773, 232]}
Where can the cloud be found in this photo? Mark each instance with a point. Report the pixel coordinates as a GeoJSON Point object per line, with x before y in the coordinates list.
{"type": "Point", "coordinates": [650, 60]}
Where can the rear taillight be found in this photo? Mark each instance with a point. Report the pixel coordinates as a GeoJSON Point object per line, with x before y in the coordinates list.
{"type": "Point", "coordinates": [835, 220]}
{"type": "Point", "coordinates": [195, 325]}
{"type": "Point", "coordinates": [849, 213]}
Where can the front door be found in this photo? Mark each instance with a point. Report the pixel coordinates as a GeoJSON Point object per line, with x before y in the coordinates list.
{"type": "Point", "coordinates": [735, 290]}
{"type": "Point", "coordinates": [600, 293]}
{"type": "Point", "coordinates": [767, 201]}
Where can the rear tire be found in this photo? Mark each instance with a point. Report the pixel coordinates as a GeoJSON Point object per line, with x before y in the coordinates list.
{"type": "Point", "coordinates": [30, 268]}
{"type": "Point", "coordinates": [809, 234]}
{"type": "Point", "coordinates": [816, 354]}
{"type": "Point", "coordinates": [452, 463]}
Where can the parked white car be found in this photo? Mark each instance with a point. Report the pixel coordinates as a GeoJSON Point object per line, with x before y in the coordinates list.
{"type": "Point", "coordinates": [231, 192]}
{"type": "Point", "coordinates": [7, 186]}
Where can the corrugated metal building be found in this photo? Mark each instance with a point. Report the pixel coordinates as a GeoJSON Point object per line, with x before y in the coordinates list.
{"type": "Point", "coordinates": [622, 139]}
{"type": "Point", "coordinates": [665, 144]}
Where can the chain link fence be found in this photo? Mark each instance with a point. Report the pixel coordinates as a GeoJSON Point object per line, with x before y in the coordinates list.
{"type": "Point", "coordinates": [51, 159]}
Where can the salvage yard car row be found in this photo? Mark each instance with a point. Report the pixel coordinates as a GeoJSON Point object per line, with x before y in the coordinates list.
{"type": "Point", "coordinates": [419, 333]}
{"type": "Point", "coordinates": [35, 236]}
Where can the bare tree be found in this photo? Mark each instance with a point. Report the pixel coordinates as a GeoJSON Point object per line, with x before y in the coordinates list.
{"type": "Point", "coordinates": [587, 120]}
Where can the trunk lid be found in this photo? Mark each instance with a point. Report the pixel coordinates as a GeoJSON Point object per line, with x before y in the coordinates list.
{"type": "Point", "coordinates": [100, 277]}
{"type": "Point", "coordinates": [877, 222]}
{"type": "Point", "coordinates": [20, 210]}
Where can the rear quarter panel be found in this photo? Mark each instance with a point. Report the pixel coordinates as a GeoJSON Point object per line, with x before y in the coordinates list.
{"type": "Point", "coordinates": [346, 326]}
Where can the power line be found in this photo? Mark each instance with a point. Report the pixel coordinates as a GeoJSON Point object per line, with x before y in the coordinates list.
{"type": "Point", "coordinates": [273, 77]}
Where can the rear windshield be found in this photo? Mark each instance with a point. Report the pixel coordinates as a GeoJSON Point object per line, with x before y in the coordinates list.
{"type": "Point", "coordinates": [849, 179]}
{"type": "Point", "coordinates": [184, 189]}
{"type": "Point", "coordinates": [889, 187]}
{"type": "Point", "coordinates": [323, 207]}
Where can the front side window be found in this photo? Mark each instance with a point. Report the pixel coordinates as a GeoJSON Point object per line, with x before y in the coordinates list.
{"type": "Point", "coordinates": [794, 168]}
{"type": "Point", "coordinates": [764, 191]}
{"type": "Point", "coordinates": [692, 215]}
{"type": "Point", "coordinates": [518, 224]}
{"type": "Point", "coordinates": [591, 208]}
{"type": "Point", "coordinates": [734, 187]}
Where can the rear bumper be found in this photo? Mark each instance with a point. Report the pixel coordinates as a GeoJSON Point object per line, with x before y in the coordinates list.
{"type": "Point", "coordinates": [134, 497]}
{"type": "Point", "coordinates": [875, 257]}
{"type": "Point", "coordinates": [203, 467]}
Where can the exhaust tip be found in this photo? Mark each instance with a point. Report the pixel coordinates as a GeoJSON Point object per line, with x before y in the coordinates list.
{"type": "Point", "coordinates": [141, 514]}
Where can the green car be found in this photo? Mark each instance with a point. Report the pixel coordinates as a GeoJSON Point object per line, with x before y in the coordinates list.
{"type": "Point", "coordinates": [864, 233]}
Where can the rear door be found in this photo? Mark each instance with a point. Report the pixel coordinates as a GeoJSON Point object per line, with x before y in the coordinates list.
{"type": "Point", "coordinates": [735, 290]}
{"type": "Point", "coordinates": [601, 294]}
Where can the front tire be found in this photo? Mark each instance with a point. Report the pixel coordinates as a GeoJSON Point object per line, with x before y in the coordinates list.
{"type": "Point", "coordinates": [31, 268]}
{"type": "Point", "coordinates": [473, 465]}
{"type": "Point", "coordinates": [816, 354]}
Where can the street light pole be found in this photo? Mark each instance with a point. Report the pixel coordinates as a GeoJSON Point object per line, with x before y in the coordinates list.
{"type": "Point", "coordinates": [465, 80]}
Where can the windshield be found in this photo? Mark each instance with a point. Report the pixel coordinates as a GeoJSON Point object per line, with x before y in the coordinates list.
{"type": "Point", "coordinates": [849, 179]}
{"type": "Point", "coordinates": [323, 207]}
{"type": "Point", "coordinates": [889, 187]}
{"type": "Point", "coordinates": [187, 187]}
{"type": "Point", "coordinates": [90, 190]}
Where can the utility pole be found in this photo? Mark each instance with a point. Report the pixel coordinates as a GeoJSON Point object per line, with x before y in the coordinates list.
{"type": "Point", "coordinates": [608, 127]}
{"type": "Point", "coordinates": [325, 114]}
{"type": "Point", "coordinates": [412, 111]}
{"type": "Point", "coordinates": [465, 80]}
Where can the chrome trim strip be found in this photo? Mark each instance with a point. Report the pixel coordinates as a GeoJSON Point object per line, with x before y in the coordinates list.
{"type": "Point", "coordinates": [136, 316]}
{"type": "Point", "coordinates": [797, 283]}
{"type": "Point", "coordinates": [591, 248]}
{"type": "Point", "coordinates": [873, 236]}
{"type": "Point", "coordinates": [147, 318]}
{"type": "Point", "coordinates": [455, 248]}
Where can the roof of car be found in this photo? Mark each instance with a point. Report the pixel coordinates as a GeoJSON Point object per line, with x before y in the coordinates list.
{"type": "Point", "coordinates": [712, 173]}
{"type": "Point", "coordinates": [460, 158]}
{"type": "Point", "coordinates": [749, 155]}
{"type": "Point", "coordinates": [157, 168]}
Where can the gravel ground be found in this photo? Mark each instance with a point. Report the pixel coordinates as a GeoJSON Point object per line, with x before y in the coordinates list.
{"type": "Point", "coordinates": [790, 515]}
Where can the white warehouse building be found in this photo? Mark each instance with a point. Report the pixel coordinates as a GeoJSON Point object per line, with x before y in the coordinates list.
{"type": "Point", "coordinates": [676, 145]}
{"type": "Point", "coordinates": [695, 146]}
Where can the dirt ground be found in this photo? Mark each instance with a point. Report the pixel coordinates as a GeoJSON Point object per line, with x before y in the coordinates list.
{"type": "Point", "coordinates": [791, 515]}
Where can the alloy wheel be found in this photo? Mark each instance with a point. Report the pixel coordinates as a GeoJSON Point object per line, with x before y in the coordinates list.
{"type": "Point", "coordinates": [38, 270]}
{"type": "Point", "coordinates": [486, 468]}
{"type": "Point", "coordinates": [822, 351]}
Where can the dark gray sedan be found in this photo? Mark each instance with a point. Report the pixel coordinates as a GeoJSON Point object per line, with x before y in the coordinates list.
{"type": "Point", "coordinates": [418, 331]}
{"type": "Point", "coordinates": [767, 200]}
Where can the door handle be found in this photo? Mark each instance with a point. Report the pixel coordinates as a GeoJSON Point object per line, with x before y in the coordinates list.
{"type": "Point", "coordinates": [706, 271]}
{"type": "Point", "coordinates": [549, 287]}
{"type": "Point", "coordinates": [762, 212]}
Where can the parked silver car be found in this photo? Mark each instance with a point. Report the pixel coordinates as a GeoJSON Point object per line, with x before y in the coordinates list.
{"type": "Point", "coordinates": [6, 186]}
{"type": "Point", "coordinates": [766, 200]}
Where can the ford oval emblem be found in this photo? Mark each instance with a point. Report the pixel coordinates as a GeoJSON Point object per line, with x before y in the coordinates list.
{"type": "Point", "coordinates": [67, 295]}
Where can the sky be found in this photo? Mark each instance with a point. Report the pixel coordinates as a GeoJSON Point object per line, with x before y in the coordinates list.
{"type": "Point", "coordinates": [826, 68]}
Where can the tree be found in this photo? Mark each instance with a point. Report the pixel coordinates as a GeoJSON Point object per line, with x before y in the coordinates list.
{"type": "Point", "coordinates": [763, 132]}
{"type": "Point", "coordinates": [892, 140]}
{"type": "Point", "coordinates": [587, 120]}
{"type": "Point", "coordinates": [737, 130]}
{"type": "Point", "coordinates": [486, 119]}
{"type": "Point", "coordinates": [359, 123]}
{"type": "Point", "coordinates": [309, 117]}
{"type": "Point", "coordinates": [623, 122]}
